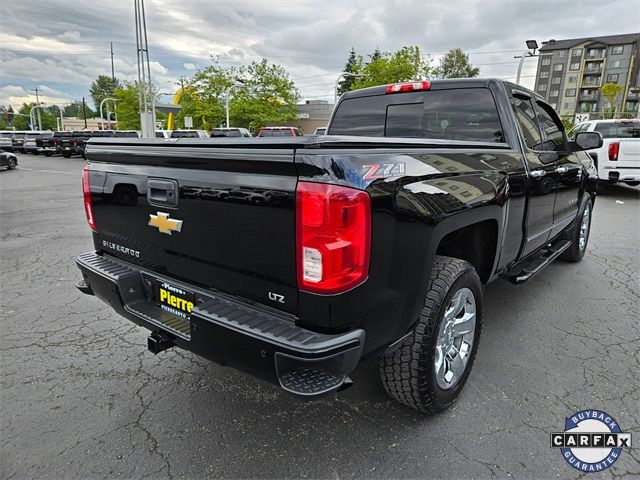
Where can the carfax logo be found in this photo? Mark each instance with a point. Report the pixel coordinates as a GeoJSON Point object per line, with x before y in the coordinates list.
{"type": "Point", "coordinates": [592, 441]}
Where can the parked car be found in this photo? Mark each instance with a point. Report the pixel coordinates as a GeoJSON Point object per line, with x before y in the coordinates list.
{"type": "Point", "coordinates": [17, 141]}
{"type": "Point", "coordinates": [127, 133]}
{"type": "Point", "coordinates": [320, 131]}
{"type": "Point", "coordinates": [8, 160]}
{"type": "Point", "coordinates": [280, 132]}
{"type": "Point", "coordinates": [6, 145]}
{"type": "Point", "coordinates": [386, 232]}
{"type": "Point", "coordinates": [230, 132]}
{"type": "Point", "coordinates": [189, 134]}
{"type": "Point", "coordinates": [618, 160]}
{"type": "Point", "coordinates": [163, 133]}
{"type": "Point", "coordinates": [45, 144]}
{"type": "Point", "coordinates": [30, 141]}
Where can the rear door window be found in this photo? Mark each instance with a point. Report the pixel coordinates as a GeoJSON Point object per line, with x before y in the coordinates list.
{"type": "Point", "coordinates": [551, 127]}
{"type": "Point", "coordinates": [456, 114]}
{"type": "Point", "coordinates": [618, 129]}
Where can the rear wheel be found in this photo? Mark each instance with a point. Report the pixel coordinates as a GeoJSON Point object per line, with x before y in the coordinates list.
{"type": "Point", "coordinates": [428, 371]}
{"type": "Point", "coordinates": [12, 164]}
{"type": "Point", "coordinates": [578, 234]}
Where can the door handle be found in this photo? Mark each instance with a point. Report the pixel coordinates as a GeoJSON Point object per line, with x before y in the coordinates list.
{"type": "Point", "coordinates": [538, 173]}
{"type": "Point", "coordinates": [562, 169]}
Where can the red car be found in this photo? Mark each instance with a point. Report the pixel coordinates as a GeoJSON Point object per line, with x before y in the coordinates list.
{"type": "Point", "coordinates": [280, 132]}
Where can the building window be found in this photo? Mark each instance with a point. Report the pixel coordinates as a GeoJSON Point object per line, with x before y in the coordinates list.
{"type": "Point", "coordinates": [612, 78]}
{"type": "Point", "coordinates": [542, 88]}
{"type": "Point", "coordinates": [556, 80]}
{"type": "Point", "coordinates": [554, 93]}
{"type": "Point", "coordinates": [558, 67]}
{"type": "Point", "coordinates": [568, 105]}
{"type": "Point", "coordinates": [617, 50]}
{"type": "Point", "coordinates": [570, 92]}
{"type": "Point", "coordinates": [546, 61]}
{"type": "Point", "coordinates": [595, 52]}
{"type": "Point", "coordinates": [615, 64]}
{"type": "Point", "coordinates": [571, 79]}
{"type": "Point", "coordinates": [554, 106]}
{"type": "Point", "coordinates": [544, 74]}
{"type": "Point", "coordinates": [575, 66]}
{"type": "Point", "coordinates": [576, 52]}
{"type": "Point", "coordinates": [561, 54]}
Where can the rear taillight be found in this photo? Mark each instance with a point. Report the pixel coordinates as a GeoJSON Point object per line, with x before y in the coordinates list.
{"type": "Point", "coordinates": [409, 87]}
{"type": "Point", "coordinates": [88, 206]}
{"type": "Point", "coordinates": [614, 149]}
{"type": "Point", "coordinates": [74, 142]}
{"type": "Point", "coordinates": [333, 231]}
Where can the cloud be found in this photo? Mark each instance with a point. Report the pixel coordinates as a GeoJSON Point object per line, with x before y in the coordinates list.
{"type": "Point", "coordinates": [16, 95]}
{"type": "Point", "coordinates": [48, 43]}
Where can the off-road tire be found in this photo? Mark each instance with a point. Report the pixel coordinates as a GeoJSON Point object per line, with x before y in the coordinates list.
{"type": "Point", "coordinates": [407, 372]}
{"type": "Point", "coordinates": [574, 253]}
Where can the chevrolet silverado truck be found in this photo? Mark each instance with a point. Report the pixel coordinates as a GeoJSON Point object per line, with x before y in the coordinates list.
{"type": "Point", "coordinates": [618, 159]}
{"type": "Point", "coordinates": [374, 240]}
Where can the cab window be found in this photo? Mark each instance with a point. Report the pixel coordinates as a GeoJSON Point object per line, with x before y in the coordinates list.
{"type": "Point", "coordinates": [526, 118]}
{"type": "Point", "coordinates": [552, 130]}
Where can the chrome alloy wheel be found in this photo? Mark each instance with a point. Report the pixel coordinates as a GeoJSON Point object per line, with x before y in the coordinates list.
{"type": "Point", "coordinates": [584, 229]}
{"type": "Point", "coordinates": [455, 339]}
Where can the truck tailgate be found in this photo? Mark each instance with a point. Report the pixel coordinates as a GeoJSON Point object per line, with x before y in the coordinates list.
{"type": "Point", "coordinates": [220, 218]}
{"type": "Point", "coordinates": [630, 151]}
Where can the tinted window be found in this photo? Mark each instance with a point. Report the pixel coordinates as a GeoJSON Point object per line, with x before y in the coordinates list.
{"type": "Point", "coordinates": [457, 114]}
{"type": "Point", "coordinates": [159, 135]}
{"type": "Point", "coordinates": [526, 116]}
{"type": "Point", "coordinates": [127, 134]}
{"type": "Point", "coordinates": [619, 129]}
{"type": "Point", "coordinates": [276, 133]}
{"type": "Point", "coordinates": [225, 133]}
{"type": "Point", "coordinates": [175, 134]}
{"type": "Point", "coordinates": [552, 132]}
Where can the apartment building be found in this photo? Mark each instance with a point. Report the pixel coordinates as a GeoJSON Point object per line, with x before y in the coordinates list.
{"type": "Point", "coordinates": [570, 73]}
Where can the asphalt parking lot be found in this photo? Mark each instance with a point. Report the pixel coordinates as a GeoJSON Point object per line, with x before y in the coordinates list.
{"type": "Point", "coordinates": [82, 398]}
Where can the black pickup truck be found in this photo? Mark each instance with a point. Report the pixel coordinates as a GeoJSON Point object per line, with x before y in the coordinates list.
{"type": "Point", "coordinates": [374, 240]}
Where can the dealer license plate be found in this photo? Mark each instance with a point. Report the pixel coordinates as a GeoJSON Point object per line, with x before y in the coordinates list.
{"type": "Point", "coordinates": [175, 300]}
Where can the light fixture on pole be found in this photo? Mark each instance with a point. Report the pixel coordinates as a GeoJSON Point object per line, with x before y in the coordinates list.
{"type": "Point", "coordinates": [108, 112]}
{"type": "Point", "coordinates": [240, 83]}
{"type": "Point", "coordinates": [532, 46]}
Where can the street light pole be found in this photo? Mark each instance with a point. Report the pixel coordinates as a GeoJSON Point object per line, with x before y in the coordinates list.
{"type": "Point", "coordinates": [532, 46]}
{"type": "Point", "coordinates": [228, 94]}
{"type": "Point", "coordinates": [340, 77]}
{"type": "Point", "coordinates": [100, 109]}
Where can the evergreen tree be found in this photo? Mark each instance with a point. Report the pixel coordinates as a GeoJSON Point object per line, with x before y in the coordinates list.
{"type": "Point", "coordinates": [352, 66]}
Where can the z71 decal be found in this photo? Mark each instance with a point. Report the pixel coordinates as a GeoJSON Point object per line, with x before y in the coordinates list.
{"type": "Point", "coordinates": [374, 171]}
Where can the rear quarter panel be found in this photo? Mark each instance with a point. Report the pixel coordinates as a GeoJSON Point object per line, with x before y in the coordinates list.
{"type": "Point", "coordinates": [418, 196]}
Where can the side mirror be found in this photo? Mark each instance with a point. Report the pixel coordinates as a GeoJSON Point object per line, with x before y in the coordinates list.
{"type": "Point", "coordinates": [587, 141]}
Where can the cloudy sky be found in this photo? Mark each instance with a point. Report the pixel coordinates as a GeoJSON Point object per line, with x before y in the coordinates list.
{"type": "Point", "coordinates": [60, 46]}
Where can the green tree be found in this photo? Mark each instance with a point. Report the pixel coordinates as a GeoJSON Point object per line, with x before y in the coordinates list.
{"type": "Point", "coordinates": [74, 110]}
{"type": "Point", "coordinates": [455, 64]}
{"type": "Point", "coordinates": [21, 121]}
{"type": "Point", "coordinates": [268, 97]}
{"type": "Point", "coordinates": [611, 91]}
{"type": "Point", "coordinates": [352, 66]}
{"type": "Point", "coordinates": [392, 67]}
{"type": "Point", "coordinates": [103, 87]}
{"type": "Point", "coordinates": [128, 106]}
{"type": "Point", "coordinates": [127, 109]}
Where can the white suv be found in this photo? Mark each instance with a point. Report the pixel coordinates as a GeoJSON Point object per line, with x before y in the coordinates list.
{"type": "Point", "coordinates": [618, 160]}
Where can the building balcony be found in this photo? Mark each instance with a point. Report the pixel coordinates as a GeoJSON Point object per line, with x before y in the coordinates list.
{"type": "Point", "coordinates": [591, 84]}
{"type": "Point", "coordinates": [595, 58]}
{"type": "Point", "coordinates": [591, 96]}
{"type": "Point", "coordinates": [632, 95]}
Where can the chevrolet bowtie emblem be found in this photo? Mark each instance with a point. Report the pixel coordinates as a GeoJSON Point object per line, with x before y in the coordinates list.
{"type": "Point", "coordinates": [164, 223]}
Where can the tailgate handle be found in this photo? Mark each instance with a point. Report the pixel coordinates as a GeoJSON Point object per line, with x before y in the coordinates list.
{"type": "Point", "coordinates": [162, 193]}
